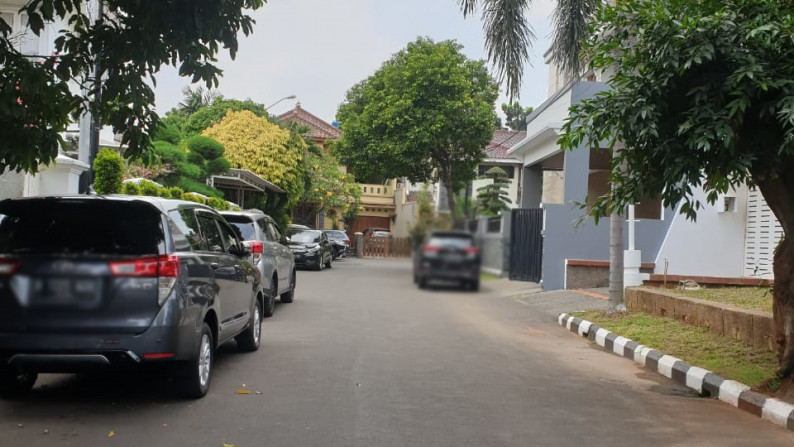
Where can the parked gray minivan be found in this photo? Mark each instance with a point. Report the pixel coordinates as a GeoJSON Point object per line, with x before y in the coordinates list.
{"type": "Point", "coordinates": [270, 253]}
{"type": "Point", "coordinates": [92, 282]}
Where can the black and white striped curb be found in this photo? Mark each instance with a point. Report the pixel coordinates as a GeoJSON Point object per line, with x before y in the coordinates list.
{"type": "Point", "coordinates": [704, 382]}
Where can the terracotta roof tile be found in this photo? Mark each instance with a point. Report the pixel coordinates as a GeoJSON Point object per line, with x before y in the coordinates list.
{"type": "Point", "coordinates": [501, 142]}
{"type": "Point", "coordinates": [317, 127]}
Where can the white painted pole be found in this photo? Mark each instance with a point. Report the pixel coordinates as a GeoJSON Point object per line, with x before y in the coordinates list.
{"type": "Point", "coordinates": [631, 227]}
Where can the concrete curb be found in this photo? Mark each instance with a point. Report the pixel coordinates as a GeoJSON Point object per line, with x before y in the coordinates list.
{"type": "Point", "coordinates": [704, 382]}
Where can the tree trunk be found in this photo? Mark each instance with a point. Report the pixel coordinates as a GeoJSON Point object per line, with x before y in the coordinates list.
{"type": "Point", "coordinates": [446, 181]}
{"type": "Point", "coordinates": [615, 262]}
{"type": "Point", "coordinates": [777, 188]}
{"type": "Point", "coordinates": [783, 306]}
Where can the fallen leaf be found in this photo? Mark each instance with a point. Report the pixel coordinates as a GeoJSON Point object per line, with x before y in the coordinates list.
{"type": "Point", "coordinates": [259, 393]}
{"type": "Point", "coordinates": [243, 385]}
{"type": "Point", "coordinates": [46, 431]}
{"type": "Point", "coordinates": [228, 445]}
{"type": "Point", "coordinates": [243, 391]}
{"type": "Point", "coordinates": [165, 425]}
{"type": "Point", "coordinates": [111, 433]}
{"type": "Point", "coordinates": [20, 425]}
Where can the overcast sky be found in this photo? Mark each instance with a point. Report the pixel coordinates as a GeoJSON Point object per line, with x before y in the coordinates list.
{"type": "Point", "coordinates": [318, 49]}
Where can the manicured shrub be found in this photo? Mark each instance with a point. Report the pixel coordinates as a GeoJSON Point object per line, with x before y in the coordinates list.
{"type": "Point", "coordinates": [108, 169]}
{"type": "Point", "coordinates": [149, 188]}
{"type": "Point", "coordinates": [131, 189]}
{"type": "Point", "coordinates": [176, 192]}
{"type": "Point", "coordinates": [193, 198]}
{"type": "Point", "coordinates": [206, 147]}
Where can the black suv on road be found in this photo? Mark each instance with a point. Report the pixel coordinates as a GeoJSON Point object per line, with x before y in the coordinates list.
{"type": "Point", "coordinates": [90, 283]}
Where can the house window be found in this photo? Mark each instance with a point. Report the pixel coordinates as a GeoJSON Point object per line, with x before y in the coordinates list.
{"type": "Point", "coordinates": [21, 37]}
{"type": "Point", "coordinates": [510, 170]}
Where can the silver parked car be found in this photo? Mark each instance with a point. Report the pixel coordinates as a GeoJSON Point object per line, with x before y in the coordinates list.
{"type": "Point", "coordinates": [270, 253]}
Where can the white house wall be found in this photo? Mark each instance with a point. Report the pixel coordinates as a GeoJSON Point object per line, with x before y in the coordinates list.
{"type": "Point", "coordinates": [711, 246]}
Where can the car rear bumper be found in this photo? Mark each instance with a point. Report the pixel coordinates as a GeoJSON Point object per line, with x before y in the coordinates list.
{"type": "Point", "coordinates": [168, 338]}
{"type": "Point", "coordinates": [307, 261]}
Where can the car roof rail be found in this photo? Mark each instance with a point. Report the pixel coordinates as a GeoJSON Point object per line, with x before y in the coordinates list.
{"type": "Point", "coordinates": [254, 210]}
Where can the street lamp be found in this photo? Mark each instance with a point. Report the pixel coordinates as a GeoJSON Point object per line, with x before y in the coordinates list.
{"type": "Point", "coordinates": [282, 99]}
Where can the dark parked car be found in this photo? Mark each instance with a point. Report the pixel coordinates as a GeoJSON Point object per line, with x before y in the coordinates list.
{"type": "Point", "coordinates": [340, 243]}
{"type": "Point", "coordinates": [100, 282]}
{"type": "Point", "coordinates": [448, 255]}
{"type": "Point", "coordinates": [311, 248]}
{"type": "Point", "coordinates": [270, 253]}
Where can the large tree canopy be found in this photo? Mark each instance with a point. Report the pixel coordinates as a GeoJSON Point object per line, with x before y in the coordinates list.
{"type": "Point", "coordinates": [427, 109]}
{"type": "Point", "coordinates": [702, 96]}
{"type": "Point", "coordinates": [254, 143]}
{"type": "Point", "coordinates": [130, 45]}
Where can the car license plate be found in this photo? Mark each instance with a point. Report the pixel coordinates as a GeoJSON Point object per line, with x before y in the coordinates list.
{"type": "Point", "coordinates": [454, 258]}
{"type": "Point", "coordinates": [64, 289]}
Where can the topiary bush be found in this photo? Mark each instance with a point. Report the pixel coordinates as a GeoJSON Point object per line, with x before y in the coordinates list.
{"type": "Point", "coordinates": [176, 192]}
{"type": "Point", "coordinates": [149, 188]}
{"type": "Point", "coordinates": [194, 198]}
{"type": "Point", "coordinates": [218, 204]}
{"type": "Point", "coordinates": [130, 189]}
{"type": "Point", "coordinates": [108, 168]}
{"type": "Point", "coordinates": [206, 147]}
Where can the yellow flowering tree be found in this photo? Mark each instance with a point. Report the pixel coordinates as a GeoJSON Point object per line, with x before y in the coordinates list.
{"type": "Point", "coordinates": [254, 143]}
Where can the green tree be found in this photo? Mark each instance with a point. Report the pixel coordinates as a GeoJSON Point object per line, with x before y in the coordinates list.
{"type": "Point", "coordinates": [492, 198]}
{"type": "Point", "coordinates": [208, 116]}
{"type": "Point", "coordinates": [252, 142]}
{"type": "Point", "coordinates": [508, 35]}
{"type": "Point", "coordinates": [39, 95]}
{"type": "Point", "coordinates": [108, 167]}
{"type": "Point", "coordinates": [327, 186]}
{"type": "Point", "coordinates": [516, 115]}
{"type": "Point", "coordinates": [427, 109]}
{"type": "Point", "coordinates": [702, 96]}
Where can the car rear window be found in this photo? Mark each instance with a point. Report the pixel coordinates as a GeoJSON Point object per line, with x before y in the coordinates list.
{"type": "Point", "coordinates": [306, 236]}
{"type": "Point", "coordinates": [451, 241]}
{"type": "Point", "coordinates": [80, 227]}
{"type": "Point", "coordinates": [336, 234]}
{"type": "Point", "coordinates": [243, 226]}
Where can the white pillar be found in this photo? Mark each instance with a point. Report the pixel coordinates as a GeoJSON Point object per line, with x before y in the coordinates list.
{"type": "Point", "coordinates": [632, 259]}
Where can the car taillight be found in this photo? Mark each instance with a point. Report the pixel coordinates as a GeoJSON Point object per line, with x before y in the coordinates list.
{"type": "Point", "coordinates": [8, 267]}
{"type": "Point", "coordinates": [256, 248]}
{"type": "Point", "coordinates": [431, 249]}
{"type": "Point", "coordinates": [347, 241]}
{"type": "Point", "coordinates": [164, 267]}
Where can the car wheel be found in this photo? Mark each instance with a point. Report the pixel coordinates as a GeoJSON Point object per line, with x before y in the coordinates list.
{"type": "Point", "coordinates": [270, 299]}
{"type": "Point", "coordinates": [15, 383]}
{"type": "Point", "coordinates": [289, 295]}
{"type": "Point", "coordinates": [475, 285]}
{"type": "Point", "coordinates": [249, 339]}
{"type": "Point", "coordinates": [195, 375]}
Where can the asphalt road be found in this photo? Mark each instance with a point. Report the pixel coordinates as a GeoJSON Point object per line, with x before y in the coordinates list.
{"type": "Point", "coordinates": [362, 358]}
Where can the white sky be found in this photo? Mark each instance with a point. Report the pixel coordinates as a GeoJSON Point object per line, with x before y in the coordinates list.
{"type": "Point", "coordinates": [318, 49]}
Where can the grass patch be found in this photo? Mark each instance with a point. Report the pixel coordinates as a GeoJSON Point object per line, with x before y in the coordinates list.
{"type": "Point", "coordinates": [729, 358]}
{"type": "Point", "coordinates": [487, 276]}
{"type": "Point", "coordinates": [754, 298]}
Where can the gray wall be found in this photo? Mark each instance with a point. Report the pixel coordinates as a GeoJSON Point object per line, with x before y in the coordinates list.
{"type": "Point", "coordinates": [589, 241]}
{"type": "Point", "coordinates": [494, 247]}
{"type": "Point", "coordinates": [531, 186]}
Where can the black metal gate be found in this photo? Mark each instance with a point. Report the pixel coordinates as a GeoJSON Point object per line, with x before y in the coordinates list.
{"type": "Point", "coordinates": [526, 244]}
